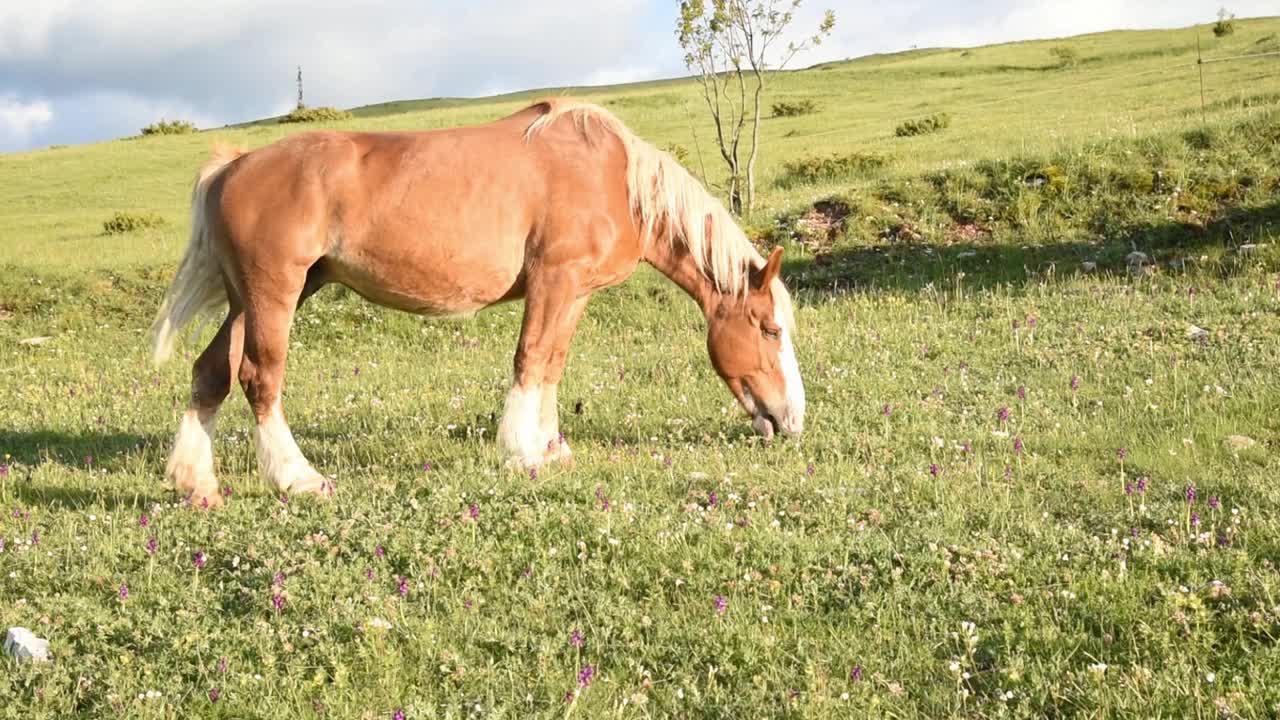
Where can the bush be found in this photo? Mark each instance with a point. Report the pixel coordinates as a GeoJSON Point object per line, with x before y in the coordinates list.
{"type": "Point", "coordinates": [924, 126]}
{"type": "Point", "coordinates": [169, 127]}
{"type": "Point", "coordinates": [127, 222]}
{"type": "Point", "coordinates": [810, 170]}
{"type": "Point", "coordinates": [1225, 25]}
{"type": "Point", "coordinates": [316, 114]}
{"type": "Point", "coordinates": [1066, 56]}
{"type": "Point", "coordinates": [795, 109]}
{"type": "Point", "coordinates": [679, 153]}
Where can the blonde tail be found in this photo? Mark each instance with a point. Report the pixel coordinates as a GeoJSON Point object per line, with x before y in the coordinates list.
{"type": "Point", "coordinates": [197, 286]}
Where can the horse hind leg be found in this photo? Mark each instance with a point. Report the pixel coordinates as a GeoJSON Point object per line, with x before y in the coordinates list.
{"type": "Point", "coordinates": [262, 371]}
{"type": "Point", "coordinates": [190, 467]}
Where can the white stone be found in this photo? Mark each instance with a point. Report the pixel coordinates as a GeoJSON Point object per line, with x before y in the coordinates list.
{"type": "Point", "coordinates": [1197, 333]}
{"type": "Point", "coordinates": [22, 644]}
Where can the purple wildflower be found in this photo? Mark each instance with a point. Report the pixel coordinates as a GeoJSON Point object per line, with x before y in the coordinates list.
{"type": "Point", "coordinates": [934, 470]}
{"type": "Point", "coordinates": [143, 520]}
{"type": "Point", "coordinates": [1128, 488]}
{"type": "Point", "coordinates": [474, 511]}
{"type": "Point", "coordinates": [576, 639]}
{"type": "Point", "coordinates": [152, 544]}
{"type": "Point", "coordinates": [1075, 383]}
{"type": "Point", "coordinates": [1195, 519]}
{"type": "Point", "coordinates": [1214, 502]}
{"type": "Point", "coordinates": [712, 499]}
{"type": "Point", "coordinates": [604, 501]}
{"type": "Point", "coordinates": [222, 665]}
{"type": "Point", "coordinates": [1031, 321]}
{"type": "Point", "coordinates": [1022, 393]}
{"type": "Point", "coordinates": [426, 467]}
{"type": "Point", "coordinates": [277, 602]}
{"type": "Point", "coordinates": [1003, 415]}
{"type": "Point", "coordinates": [966, 447]}
{"type": "Point", "coordinates": [379, 552]}
{"type": "Point", "coordinates": [888, 410]}
{"type": "Point", "coordinates": [214, 694]}
{"type": "Point", "coordinates": [278, 580]}
{"type": "Point", "coordinates": [856, 673]}
{"type": "Point", "coordinates": [1191, 494]}
{"type": "Point", "coordinates": [124, 591]}
{"type": "Point", "coordinates": [1122, 453]}
{"type": "Point", "coordinates": [368, 574]}
{"type": "Point", "coordinates": [35, 537]}
{"type": "Point", "coordinates": [1017, 445]}
{"type": "Point", "coordinates": [1142, 484]}
{"type": "Point", "coordinates": [398, 714]}
{"type": "Point", "coordinates": [721, 604]}
{"type": "Point", "coordinates": [4, 470]}
{"type": "Point", "coordinates": [199, 559]}
{"type": "Point", "coordinates": [533, 473]}
{"type": "Point", "coordinates": [88, 460]}
{"type": "Point", "coordinates": [585, 676]}
{"type": "Point", "coordinates": [402, 586]}
{"type": "Point", "coordinates": [809, 470]}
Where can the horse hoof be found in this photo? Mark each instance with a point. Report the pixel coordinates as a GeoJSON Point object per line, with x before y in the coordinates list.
{"type": "Point", "coordinates": [313, 483]}
{"type": "Point", "coordinates": [205, 501]}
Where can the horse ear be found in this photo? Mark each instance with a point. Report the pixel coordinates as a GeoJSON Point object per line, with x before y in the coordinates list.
{"type": "Point", "coordinates": [772, 267]}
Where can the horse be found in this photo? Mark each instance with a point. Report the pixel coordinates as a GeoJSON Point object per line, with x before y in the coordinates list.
{"type": "Point", "coordinates": [548, 204]}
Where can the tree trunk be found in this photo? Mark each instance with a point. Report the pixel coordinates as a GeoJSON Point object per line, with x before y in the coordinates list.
{"type": "Point", "coordinates": [755, 146]}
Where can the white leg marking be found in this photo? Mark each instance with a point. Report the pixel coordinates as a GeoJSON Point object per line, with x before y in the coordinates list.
{"type": "Point", "coordinates": [549, 426]}
{"type": "Point", "coordinates": [793, 417]}
{"type": "Point", "coordinates": [281, 462]}
{"type": "Point", "coordinates": [190, 466]}
{"type": "Point", "coordinates": [520, 436]}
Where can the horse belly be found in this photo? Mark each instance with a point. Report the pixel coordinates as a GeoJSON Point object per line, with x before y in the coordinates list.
{"type": "Point", "coordinates": [430, 275]}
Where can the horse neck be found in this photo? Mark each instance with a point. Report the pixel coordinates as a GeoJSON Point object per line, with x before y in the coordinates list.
{"type": "Point", "coordinates": [676, 263]}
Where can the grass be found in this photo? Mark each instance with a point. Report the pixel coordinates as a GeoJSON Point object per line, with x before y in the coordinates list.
{"type": "Point", "coordinates": [952, 537]}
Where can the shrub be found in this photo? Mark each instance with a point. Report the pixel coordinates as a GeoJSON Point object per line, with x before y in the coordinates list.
{"type": "Point", "coordinates": [809, 170]}
{"type": "Point", "coordinates": [127, 222]}
{"type": "Point", "coordinates": [1066, 56]}
{"type": "Point", "coordinates": [795, 109]}
{"type": "Point", "coordinates": [316, 114]}
{"type": "Point", "coordinates": [679, 153]}
{"type": "Point", "coordinates": [169, 127]}
{"type": "Point", "coordinates": [1225, 25]}
{"type": "Point", "coordinates": [924, 126]}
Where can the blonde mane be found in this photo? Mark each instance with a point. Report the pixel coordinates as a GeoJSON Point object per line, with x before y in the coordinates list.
{"type": "Point", "coordinates": [670, 202]}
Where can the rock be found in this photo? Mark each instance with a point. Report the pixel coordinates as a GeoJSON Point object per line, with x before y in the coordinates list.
{"type": "Point", "coordinates": [1137, 259]}
{"type": "Point", "coordinates": [22, 644]}
{"type": "Point", "coordinates": [1197, 333]}
{"type": "Point", "coordinates": [1240, 442]}
{"type": "Point", "coordinates": [1247, 248]}
{"type": "Point", "coordinates": [36, 340]}
{"type": "Point", "coordinates": [1088, 266]}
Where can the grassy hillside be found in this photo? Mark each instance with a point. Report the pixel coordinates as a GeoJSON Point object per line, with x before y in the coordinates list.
{"type": "Point", "coordinates": [1037, 480]}
{"type": "Point", "coordinates": [1005, 100]}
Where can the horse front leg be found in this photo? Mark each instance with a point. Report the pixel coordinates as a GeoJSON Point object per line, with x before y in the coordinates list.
{"type": "Point", "coordinates": [529, 433]}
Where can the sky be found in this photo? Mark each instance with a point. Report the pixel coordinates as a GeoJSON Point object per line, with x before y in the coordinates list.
{"type": "Point", "coordinates": [75, 71]}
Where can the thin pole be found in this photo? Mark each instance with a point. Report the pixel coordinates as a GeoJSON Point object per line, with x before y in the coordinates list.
{"type": "Point", "coordinates": [1200, 66]}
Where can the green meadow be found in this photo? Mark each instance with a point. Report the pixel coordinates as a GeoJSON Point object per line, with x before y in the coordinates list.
{"type": "Point", "coordinates": [1038, 477]}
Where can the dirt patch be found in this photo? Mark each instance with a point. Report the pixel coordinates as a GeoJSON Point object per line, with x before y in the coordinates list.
{"type": "Point", "coordinates": [967, 232]}
{"type": "Point", "coordinates": [822, 224]}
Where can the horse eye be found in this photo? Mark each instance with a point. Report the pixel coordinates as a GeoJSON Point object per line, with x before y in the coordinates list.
{"type": "Point", "coordinates": [771, 333]}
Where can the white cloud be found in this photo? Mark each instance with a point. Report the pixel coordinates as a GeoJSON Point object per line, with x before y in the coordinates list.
{"type": "Point", "coordinates": [18, 120]}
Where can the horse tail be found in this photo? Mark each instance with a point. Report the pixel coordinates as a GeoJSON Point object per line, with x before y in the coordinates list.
{"type": "Point", "coordinates": [198, 285]}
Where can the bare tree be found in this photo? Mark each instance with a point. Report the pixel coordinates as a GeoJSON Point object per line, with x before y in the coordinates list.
{"type": "Point", "coordinates": [730, 45]}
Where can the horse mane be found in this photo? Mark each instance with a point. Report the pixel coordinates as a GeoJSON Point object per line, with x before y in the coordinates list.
{"type": "Point", "coordinates": [670, 202]}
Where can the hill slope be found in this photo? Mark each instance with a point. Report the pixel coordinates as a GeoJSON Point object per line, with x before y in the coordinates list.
{"type": "Point", "coordinates": [1004, 100]}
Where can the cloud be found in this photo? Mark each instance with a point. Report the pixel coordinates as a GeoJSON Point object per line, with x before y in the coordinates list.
{"type": "Point", "coordinates": [18, 120]}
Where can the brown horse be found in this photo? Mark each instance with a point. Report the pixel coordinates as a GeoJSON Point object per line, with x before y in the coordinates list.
{"type": "Point", "coordinates": [549, 204]}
